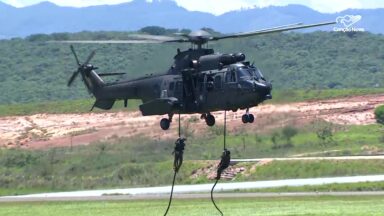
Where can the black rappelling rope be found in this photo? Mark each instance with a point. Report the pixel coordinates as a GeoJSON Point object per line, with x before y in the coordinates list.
{"type": "Point", "coordinates": [224, 163]}
{"type": "Point", "coordinates": [178, 152]}
{"type": "Point", "coordinates": [170, 197]}
{"type": "Point", "coordinates": [225, 129]}
{"type": "Point", "coordinates": [213, 201]}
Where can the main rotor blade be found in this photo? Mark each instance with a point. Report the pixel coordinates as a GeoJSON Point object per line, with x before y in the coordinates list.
{"type": "Point", "coordinates": [160, 38]}
{"type": "Point", "coordinates": [90, 57]}
{"type": "Point", "coordinates": [110, 74]}
{"type": "Point", "coordinates": [177, 41]}
{"type": "Point", "coordinates": [152, 37]}
{"type": "Point", "coordinates": [273, 30]}
{"type": "Point", "coordinates": [74, 53]}
{"type": "Point", "coordinates": [74, 75]}
{"type": "Point", "coordinates": [108, 41]}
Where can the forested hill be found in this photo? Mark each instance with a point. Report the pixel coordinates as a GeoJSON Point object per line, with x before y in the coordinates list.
{"type": "Point", "coordinates": [38, 71]}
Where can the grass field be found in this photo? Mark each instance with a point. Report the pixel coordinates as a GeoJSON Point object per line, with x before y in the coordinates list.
{"type": "Point", "coordinates": [344, 187]}
{"type": "Point", "coordinates": [317, 205]}
{"type": "Point", "coordinates": [139, 161]}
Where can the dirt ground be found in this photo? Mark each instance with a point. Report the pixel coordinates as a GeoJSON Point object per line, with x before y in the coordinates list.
{"type": "Point", "coordinates": [52, 130]}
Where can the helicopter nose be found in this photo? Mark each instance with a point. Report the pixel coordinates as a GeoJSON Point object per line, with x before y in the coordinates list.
{"type": "Point", "coordinates": [264, 88]}
{"type": "Point", "coordinates": [269, 95]}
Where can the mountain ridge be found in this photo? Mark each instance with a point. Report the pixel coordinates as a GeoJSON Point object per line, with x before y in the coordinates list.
{"type": "Point", "coordinates": [47, 17]}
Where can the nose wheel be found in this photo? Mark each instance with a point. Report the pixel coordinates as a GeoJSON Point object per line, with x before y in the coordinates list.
{"type": "Point", "coordinates": [247, 117]}
{"type": "Point", "coordinates": [165, 123]}
{"type": "Point", "coordinates": [209, 119]}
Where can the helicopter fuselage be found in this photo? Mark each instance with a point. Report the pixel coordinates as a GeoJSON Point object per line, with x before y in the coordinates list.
{"type": "Point", "coordinates": [237, 86]}
{"type": "Point", "coordinates": [198, 82]}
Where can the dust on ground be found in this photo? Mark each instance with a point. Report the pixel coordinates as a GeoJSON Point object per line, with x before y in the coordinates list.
{"type": "Point", "coordinates": [55, 130]}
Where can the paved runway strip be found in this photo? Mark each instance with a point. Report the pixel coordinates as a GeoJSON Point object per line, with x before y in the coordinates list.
{"type": "Point", "coordinates": [159, 192]}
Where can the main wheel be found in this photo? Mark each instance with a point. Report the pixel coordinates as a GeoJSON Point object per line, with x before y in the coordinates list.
{"type": "Point", "coordinates": [245, 118]}
{"type": "Point", "coordinates": [210, 120]}
{"type": "Point", "coordinates": [165, 123]}
{"type": "Point", "coordinates": [251, 118]}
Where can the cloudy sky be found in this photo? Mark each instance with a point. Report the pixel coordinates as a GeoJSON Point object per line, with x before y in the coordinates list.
{"type": "Point", "coordinates": [218, 7]}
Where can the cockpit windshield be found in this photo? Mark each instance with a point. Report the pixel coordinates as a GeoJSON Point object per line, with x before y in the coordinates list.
{"type": "Point", "coordinates": [249, 73]}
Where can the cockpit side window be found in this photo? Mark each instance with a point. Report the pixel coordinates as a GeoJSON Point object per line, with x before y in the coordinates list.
{"type": "Point", "coordinates": [258, 73]}
{"type": "Point", "coordinates": [249, 72]}
{"type": "Point", "coordinates": [244, 72]}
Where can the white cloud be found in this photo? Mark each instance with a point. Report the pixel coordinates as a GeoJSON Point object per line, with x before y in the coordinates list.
{"type": "Point", "coordinates": [15, 3]}
{"type": "Point", "coordinates": [214, 6]}
{"type": "Point", "coordinates": [73, 3]}
{"type": "Point", "coordinates": [221, 6]}
{"type": "Point", "coordinates": [327, 6]}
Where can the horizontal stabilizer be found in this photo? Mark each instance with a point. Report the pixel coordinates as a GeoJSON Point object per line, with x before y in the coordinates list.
{"type": "Point", "coordinates": [159, 106]}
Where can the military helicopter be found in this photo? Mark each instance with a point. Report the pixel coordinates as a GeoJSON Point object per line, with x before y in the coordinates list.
{"type": "Point", "coordinates": [199, 81]}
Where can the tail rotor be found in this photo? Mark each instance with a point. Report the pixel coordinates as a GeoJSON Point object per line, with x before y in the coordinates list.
{"type": "Point", "coordinates": [82, 68]}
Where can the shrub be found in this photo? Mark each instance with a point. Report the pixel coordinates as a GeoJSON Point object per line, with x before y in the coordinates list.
{"type": "Point", "coordinates": [283, 139]}
{"type": "Point", "coordinates": [379, 114]}
{"type": "Point", "coordinates": [288, 132]}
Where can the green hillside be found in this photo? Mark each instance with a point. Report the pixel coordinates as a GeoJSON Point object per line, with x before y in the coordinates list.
{"type": "Point", "coordinates": [33, 71]}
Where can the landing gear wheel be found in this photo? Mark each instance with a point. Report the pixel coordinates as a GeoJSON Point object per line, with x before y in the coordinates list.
{"type": "Point", "coordinates": [251, 118]}
{"type": "Point", "coordinates": [165, 123]}
{"type": "Point", "coordinates": [245, 118]}
{"type": "Point", "coordinates": [210, 120]}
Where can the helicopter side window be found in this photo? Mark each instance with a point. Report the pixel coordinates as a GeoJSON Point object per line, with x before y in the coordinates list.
{"type": "Point", "coordinates": [201, 83]}
{"type": "Point", "coordinates": [230, 76]}
{"type": "Point", "coordinates": [171, 86]}
{"type": "Point", "coordinates": [218, 82]}
{"type": "Point", "coordinates": [210, 83]}
{"type": "Point", "coordinates": [179, 86]}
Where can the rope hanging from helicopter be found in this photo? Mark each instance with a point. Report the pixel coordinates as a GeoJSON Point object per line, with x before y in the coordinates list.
{"type": "Point", "coordinates": [224, 163]}
{"type": "Point", "coordinates": [177, 162]}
